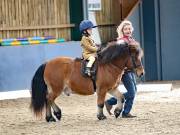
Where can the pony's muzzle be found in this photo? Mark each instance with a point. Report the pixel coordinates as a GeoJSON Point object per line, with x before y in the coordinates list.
{"type": "Point", "coordinates": [140, 73]}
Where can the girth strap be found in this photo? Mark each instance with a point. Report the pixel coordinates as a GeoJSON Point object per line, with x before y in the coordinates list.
{"type": "Point", "coordinates": [93, 79]}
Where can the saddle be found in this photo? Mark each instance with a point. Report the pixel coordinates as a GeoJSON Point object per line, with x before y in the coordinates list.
{"type": "Point", "coordinates": [94, 69]}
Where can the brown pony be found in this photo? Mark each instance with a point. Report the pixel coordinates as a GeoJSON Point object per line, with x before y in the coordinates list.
{"type": "Point", "coordinates": [62, 74]}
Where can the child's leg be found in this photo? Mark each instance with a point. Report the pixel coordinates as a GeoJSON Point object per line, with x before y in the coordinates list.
{"type": "Point", "coordinates": [91, 61]}
{"type": "Point", "coordinates": [89, 65]}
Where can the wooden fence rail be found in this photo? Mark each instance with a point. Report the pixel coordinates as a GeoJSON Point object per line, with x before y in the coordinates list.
{"type": "Point", "coordinates": [26, 18]}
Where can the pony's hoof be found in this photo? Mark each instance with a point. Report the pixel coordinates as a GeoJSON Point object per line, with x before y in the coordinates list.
{"type": "Point", "coordinates": [101, 116]}
{"type": "Point", "coordinates": [50, 119]}
{"type": "Point", "coordinates": [58, 115]}
{"type": "Point", "coordinates": [117, 112]}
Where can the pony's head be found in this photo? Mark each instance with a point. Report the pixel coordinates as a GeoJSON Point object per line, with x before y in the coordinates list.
{"type": "Point", "coordinates": [134, 61]}
{"type": "Point", "coordinates": [123, 55]}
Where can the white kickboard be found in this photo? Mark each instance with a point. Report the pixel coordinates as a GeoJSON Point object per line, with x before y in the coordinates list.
{"type": "Point", "coordinates": [14, 94]}
{"type": "Point", "coordinates": [140, 88]}
{"type": "Point", "coordinates": [149, 87]}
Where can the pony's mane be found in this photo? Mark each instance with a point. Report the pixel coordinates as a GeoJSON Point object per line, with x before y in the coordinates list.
{"type": "Point", "coordinates": [112, 52]}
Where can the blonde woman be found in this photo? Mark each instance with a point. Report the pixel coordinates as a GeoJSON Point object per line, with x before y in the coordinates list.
{"type": "Point", "coordinates": [125, 30]}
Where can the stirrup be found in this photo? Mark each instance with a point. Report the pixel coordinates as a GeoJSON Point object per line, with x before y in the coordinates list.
{"type": "Point", "coordinates": [88, 71]}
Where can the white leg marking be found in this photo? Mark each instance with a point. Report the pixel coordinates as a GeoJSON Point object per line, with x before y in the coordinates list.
{"type": "Point", "coordinates": [117, 94]}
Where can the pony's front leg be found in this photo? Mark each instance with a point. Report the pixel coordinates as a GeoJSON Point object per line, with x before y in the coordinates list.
{"type": "Point", "coordinates": [120, 99]}
{"type": "Point", "coordinates": [100, 104]}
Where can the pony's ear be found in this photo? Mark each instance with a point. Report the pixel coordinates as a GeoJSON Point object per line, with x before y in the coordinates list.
{"type": "Point", "coordinates": [133, 48]}
{"type": "Point", "coordinates": [135, 43]}
{"type": "Point", "coordinates": [136, 50]}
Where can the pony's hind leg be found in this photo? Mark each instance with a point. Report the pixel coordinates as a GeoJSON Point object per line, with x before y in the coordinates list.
{"type": "Point", "coordinates": [53, 93]}
{"type": "Point", "coordinates": [50, 101]}
{"type": "Point", "coordinates": [57, 111]}
{"type": "Point", "coordinates": [120, 98]}
{"type": "Point", "coordinates": [49, 117]}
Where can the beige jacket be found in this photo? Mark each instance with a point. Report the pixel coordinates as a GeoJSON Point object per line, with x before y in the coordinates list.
{"type": "Point", "coordinates": [89, 47]}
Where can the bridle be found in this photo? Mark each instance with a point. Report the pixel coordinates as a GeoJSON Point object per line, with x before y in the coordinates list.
{"type": "Point", "coordinates": [133, 61]}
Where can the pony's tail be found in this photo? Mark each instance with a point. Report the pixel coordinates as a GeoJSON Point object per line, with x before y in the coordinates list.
{"type": "Point", "coordinates": [39, 91]}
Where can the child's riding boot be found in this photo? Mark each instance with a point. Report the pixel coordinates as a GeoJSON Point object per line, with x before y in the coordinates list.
{"type": "Point", "coordinates": [88, 71]}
